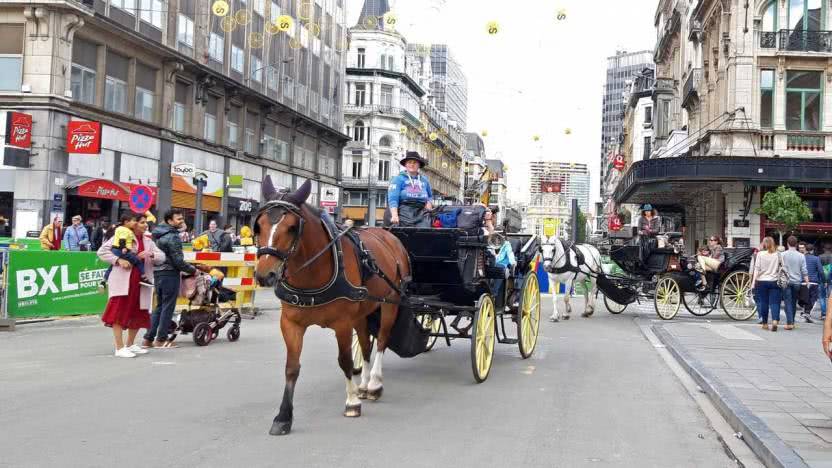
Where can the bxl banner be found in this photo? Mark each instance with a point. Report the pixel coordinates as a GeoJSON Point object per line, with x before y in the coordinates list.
{"type": "Point", "coordinates": [42, 284]}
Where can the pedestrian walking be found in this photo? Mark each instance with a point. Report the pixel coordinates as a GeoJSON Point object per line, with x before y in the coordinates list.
{"type": "Point", "coordinates": [52, 234]}
{"type": "Point", "coordinates": [816, 278]}
{"type": "Point", "coordinates": [767, 267]}
{"type": "Point", "coordinates": [754, 291]}
{"type": "Point", "coordinates": [184, 236]}
{"type": "Point", "coordinates": [219, 241]}
{"type": "Point", "coordinates": [99, 234]}
{"type": "Point", "coordinates": [129, 301]}
{"type": "Point", "coordinates": [794, 264]}
{"type": "Point", "coordinates": [76, 237]}
{"type": "Point", "coordinates": [229, 229]}
{"type": "Point", "coordinates": [826, 262]}
{"type": "Point", "coordinates": [166, 236]}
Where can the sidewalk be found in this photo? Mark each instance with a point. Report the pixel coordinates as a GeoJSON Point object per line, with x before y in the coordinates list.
{"type": "Point", "coordinates": [775, 388]}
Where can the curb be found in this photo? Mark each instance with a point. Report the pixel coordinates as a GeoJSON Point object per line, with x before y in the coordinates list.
{"type": "Point", "coordinates": [770, 448]}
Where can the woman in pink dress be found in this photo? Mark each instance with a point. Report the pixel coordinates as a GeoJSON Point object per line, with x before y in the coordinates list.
{"type": "Point", "coordinates": [129, 303]}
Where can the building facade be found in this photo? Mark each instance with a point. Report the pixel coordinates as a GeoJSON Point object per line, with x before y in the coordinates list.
{"type": "Point", "coordinates": [449, 86]}
{"type": "Point", "coordinates": [177, 92]}
{"type": "Point", "coordinates": [742, 107]}
{"type": "Point", "coordinates": [622, 68]}
{"type": "Point", "coordinates": [565, 179]}
{"type": "Point", "coordinates": [385, 116]}
{"type": "Point", "coordinates": [473, 167]}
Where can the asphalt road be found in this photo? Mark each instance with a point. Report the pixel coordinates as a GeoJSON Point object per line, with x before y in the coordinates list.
{"type": "Point", "coordinates": [595, 393]}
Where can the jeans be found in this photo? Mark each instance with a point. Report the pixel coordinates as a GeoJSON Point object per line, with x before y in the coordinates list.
{"type": "Point", "coordinates": [822, 291]}
{"type": "Point", "coordinates": [790, 299]}
{"type": "Point", "coordinates": [167, 290]}
{"type": "Point", "coordinates": [814, 291]}
{"type": "Point", "coordinates": [769, 295]}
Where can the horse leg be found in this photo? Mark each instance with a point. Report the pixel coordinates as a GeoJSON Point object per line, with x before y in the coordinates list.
{"type": "Point", "coordinates": [366, 351]}
{"type": "Point", "coordinates": [293, 336]}
{"type": "Point", "coordinates": [567, 299]}
{"type": "Point", "coordinates": [555, 313]}
{"type": "Point", "coordinates": [589, 297]}
{"type": "Point", "coordinates": [343, 333]}
{"type": "Point", "coordinates": [388, 317]}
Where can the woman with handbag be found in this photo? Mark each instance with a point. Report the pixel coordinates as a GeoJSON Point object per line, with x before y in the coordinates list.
{"type": "Point", "coordinates": [767, 274]}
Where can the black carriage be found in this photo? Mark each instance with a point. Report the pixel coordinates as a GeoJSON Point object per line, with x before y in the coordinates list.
{"type": "Point", "coordinates": [665, 275]}
{"type": "Point", "coordinates": [458, 291]}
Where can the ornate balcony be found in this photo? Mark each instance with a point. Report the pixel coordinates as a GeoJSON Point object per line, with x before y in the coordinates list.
{"type": "Point", "coordinates": [805, 41]}
{"type": "Point", "coordinates": [768, 40]}
{"type": "Point", "coordinates": [691, 89]}
{"type": "Point", "coordinates": [807, 142]}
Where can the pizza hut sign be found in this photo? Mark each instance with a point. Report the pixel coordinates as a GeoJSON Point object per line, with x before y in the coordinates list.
{"type": "Point", "coordinates": [615, 223]}
{"type": "Point", "coordinates": [83, 137]}
{"type": "Point", "coordinates": [18, 129]}
{"type": "Point", "coordinates": [619, 162]}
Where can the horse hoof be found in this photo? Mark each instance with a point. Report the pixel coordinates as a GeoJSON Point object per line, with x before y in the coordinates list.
{"type": "Point", "coordinates": [554, 319]}
{"type": "Point", "coordinates": [280, 428]}
{"type": "Point", "coordinates": [352, 411]}
{"type": "Point", "coordinates": [374, 395]}
{"type": "Point", "coordinates": [566, 317]}
{"type": "Point", "coordinates": [362, 393]}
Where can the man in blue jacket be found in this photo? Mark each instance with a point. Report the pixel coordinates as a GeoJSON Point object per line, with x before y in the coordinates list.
{"type": "Point", "coordinates": [409, 195]}
{"type": "Point", "coordinates": [816, 275]}
{"type": "Point", "coordinates": [76, 237]}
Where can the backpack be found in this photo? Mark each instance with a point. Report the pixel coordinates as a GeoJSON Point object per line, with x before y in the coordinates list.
{"type": "Point", "coordinates": [470, 219]}
{"type": "Point", "coordinates": [448, 217]}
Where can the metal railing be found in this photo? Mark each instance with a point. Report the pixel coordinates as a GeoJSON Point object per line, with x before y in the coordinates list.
{"type": "Point", "coordinates": [691, 85]}
{"type": "Point", "coordinates": [805, 41]}
{"type": "Point", "coordinates": [805, 142]}
{"type": "Point", "coordinates": [768, 40]}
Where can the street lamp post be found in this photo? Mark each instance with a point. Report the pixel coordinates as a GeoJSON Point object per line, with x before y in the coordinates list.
{"type": "Point", "coordinates": [200, 180]}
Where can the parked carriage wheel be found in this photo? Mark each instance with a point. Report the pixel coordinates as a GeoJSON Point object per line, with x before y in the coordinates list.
{"type": "Point", "coordinates": [434, 324]}
{"type": "Point", "coordinates": [202, 333]}
{"type": "Point", "coordinates": [614, 307]}
{"type": "Point", "coordinates": [529, 324]}
{"type": "Point", "coordinates": [737, 298]}
{"type": "Point", "coordinates": [668, 298]}
{"type": "Point", "coordinates": [699, 304]}
{"type": "Point", "coordinates": [484, 328]}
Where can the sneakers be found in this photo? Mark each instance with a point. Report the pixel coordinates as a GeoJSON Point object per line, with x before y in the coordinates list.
{"type": "Point", "coordinates": [806, 318]}
{"type": "Point", "coordinates": [125, 353]}
{"type": "Point", "coordinates": [146, 282]}
{"type": "Point", "coordinates": [136, 349]}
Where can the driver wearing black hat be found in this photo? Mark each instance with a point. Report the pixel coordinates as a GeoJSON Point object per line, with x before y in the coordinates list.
{"type": "Point", "coordinates": [409, 195]}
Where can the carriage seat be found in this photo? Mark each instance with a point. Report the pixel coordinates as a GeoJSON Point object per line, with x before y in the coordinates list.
{"type": "Point", "coordinates": [673, 236]}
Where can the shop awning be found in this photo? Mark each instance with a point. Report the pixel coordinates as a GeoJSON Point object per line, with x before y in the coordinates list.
{"type": "Point", "coordinates": [675, 180]}
{"type": "Point", "coordinates": [103, 189]}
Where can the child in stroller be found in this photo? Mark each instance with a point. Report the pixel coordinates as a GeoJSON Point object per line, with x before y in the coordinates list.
{"type": "Point", "coordinates": [204, 316]}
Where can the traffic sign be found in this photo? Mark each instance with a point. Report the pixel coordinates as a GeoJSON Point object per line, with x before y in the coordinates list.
{"type": "Point", "coordinates": [141, 199]}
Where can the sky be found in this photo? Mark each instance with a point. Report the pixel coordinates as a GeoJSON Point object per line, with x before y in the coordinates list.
{"type": "Point", "coordinates": [537, 76]}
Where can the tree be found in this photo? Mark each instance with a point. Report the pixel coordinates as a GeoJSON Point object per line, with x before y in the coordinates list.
{"type": "Point", "coordinates": [581, 237]}
{"type": "Point", "coordinates": [784, 206]}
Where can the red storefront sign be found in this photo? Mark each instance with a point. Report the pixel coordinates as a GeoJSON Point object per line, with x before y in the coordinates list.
{"type": "Point", "coordinates": [619, 162]}
{"type": "Point", "coordinates": [615, 223]}
{"type": "Point", "coordinates": [108, 190]}
{"type": "Point", "coordinates": [550, 187]}
{"type": "Point", "coordinates": [83, 137]}
{"type": "Point", "coordinates": [19, 129]}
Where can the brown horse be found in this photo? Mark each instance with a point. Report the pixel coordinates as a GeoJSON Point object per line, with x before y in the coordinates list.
{"type": "Point", "coordinates": [297, 253]}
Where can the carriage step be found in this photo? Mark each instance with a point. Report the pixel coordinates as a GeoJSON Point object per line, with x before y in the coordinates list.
{"type": "Point", "coordinates": [508, 341]}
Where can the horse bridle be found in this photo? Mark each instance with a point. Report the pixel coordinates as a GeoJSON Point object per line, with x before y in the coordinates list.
{"type": "Point", "coordinates": [268, 249]}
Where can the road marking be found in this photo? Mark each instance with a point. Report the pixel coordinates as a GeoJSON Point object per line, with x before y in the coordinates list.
{"type": "Point", "coordinates": [732, 332]}
{"type": "Point", "coordinates": [529, 370]}
{"type": "Point", "coordinates": [163, 363]}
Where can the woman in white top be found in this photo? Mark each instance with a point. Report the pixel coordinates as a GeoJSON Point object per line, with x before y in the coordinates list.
{"type": "Point", "coordinates": [768, 293]}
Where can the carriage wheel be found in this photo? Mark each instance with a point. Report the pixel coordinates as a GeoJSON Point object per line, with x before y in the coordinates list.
{"type": "Point", "coordinates": [699, 304]}
{"type": "Point", "coordinates": [434, 324]}
{"type": "Point", "coordinates": [484, 336]}
{"type": "Point", "coordinates": [668, 298]}
{"type": "Point", "coordinates": [529, 324]}
{"type": "Point", "coordinates": [737, 297]}
{"type": "Point", "coordinates": [614, 307]}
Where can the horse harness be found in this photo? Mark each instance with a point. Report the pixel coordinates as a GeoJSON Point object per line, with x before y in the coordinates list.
{"type": "Point", "coordinates": [568, 267]}
{"type": "Point", "coordinates": [338, 287]}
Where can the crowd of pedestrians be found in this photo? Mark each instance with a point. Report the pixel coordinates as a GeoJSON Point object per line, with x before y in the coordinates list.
{"type": "Point", "coordinates": [794, 276]}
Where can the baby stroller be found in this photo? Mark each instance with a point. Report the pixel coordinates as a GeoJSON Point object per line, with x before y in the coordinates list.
{"type": "Point", "coordinates": [204, 316]}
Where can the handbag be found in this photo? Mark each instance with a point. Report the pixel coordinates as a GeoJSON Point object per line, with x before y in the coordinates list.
{"type": "Point", "coordinates": [782, 276]}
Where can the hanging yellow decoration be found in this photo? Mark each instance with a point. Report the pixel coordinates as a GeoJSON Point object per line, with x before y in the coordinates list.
{"type": "Point", "coordinates": [371, 22]}
{"type": "Point", "coordinates": [403, 130]}
{"type": "Point", "coordinates": [313, 29]}
{"type": "Point", "coordinates": [285, 23]}
{"type": "Point", "coordinates": [484, 133]}
{"type": "Point", "coordinates": [220, 8]}
{"type": "Point", "coordinates": [568, 131]}
{"type": "Point", "coordinates": [389, 20]}
{"type": "Point", "coordinates": [272, 28]}
{"type": "Point", "coordinates": [493, 27]}
{"type": "Point", "coordinates": [295, 44]}
{"type": "Point", "coordinates": [536, 138]}
{"type": "Point", "coordinates": [433, 136]}
{"type": "Point", "coordinates": [561, 14]}
{"type": "Point", "coordinates": [305, 11]}
{"type": "Point", "coordinates": [228, 24]}
{"type": "Point", "coordinates": [255, 40]}
{"type": "Point", "coordinates": [243, 17]}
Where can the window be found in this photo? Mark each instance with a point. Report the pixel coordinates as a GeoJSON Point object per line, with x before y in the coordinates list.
{"type": "Point", "coordinates": [386, 95]}
{"type": "Point", "coordinates": [144, 104]}
{"type": "Point", "coordinates": [82, 84]}
{"type": "Point", "coordinates": [185, 31]}
{"type": "Point", "coordinates": [127, 5]}
{"type": "Point", "coordinates": [115, 89]}
{"type": "Point", "coordinates": [251, 134]}
{"type": "Point", "coordinates": [357, 162]}
{"type": "Point", "coordinates": [216, 47]}
{"type": "Point", "coordinates": [356, 199]}
{"type": "Point", "coordinates": [383, 170]}
{"type": "Point", "coordinates": [259, 7]}
{"type": "Point", "coordinates": [274, 13]}
{"type": "Point", "coordinates": [647, 148]}
{"type": "Point", "coordinates": [210, 127]}
{"type": "Point", "coordinates": [289, 88]}
{"type": "Point", "coordinates": [385, 141]}
{"type": "Point", "coordinates": [382, 61]}
{"type": "Point", "coordinates": [766, 98]}
{"type": "Point", "coordinates": [256, 69]}
{"type": "Point", "coordinates": [390, 63]}
{"type": "Point", "coordinates": [11, 57]}
{"type": "Point", "coordinates": [360, 94]}
{"type": "Point", "coordinates": [180, 106]}
{"type": "Point", "coordinates": [805, 15]}
{"type": "Point", "coordinates": [648, 114]}
{"type": "Point", "coordinates": [803, 100]}
{"type": "Point", "coordinates": [151, 12]}
{"type": "Point", "coordinates": [770, 17]}
{"type": "Point", "coordinates": [358, 134]}
{"type": "Point", "coordinates": [237, 58]}
{"type": "Point", "coordinates": [232, 119]}
{"type": "Point", "coordinates": [361, 57]}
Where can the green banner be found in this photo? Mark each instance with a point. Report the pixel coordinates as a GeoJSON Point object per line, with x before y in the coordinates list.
{"type": "Point", "coordinates": [45, 284]}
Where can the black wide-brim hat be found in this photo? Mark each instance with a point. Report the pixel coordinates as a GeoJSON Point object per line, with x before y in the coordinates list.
{"type": "Point", "coordinates": [413, 155]}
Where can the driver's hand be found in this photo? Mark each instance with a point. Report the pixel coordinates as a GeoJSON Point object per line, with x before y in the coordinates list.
{"type": "Point", "coordinates": [394, 219]}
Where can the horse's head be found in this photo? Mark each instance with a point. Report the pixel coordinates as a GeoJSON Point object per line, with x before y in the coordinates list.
{"type": "Point", "coordinates": [552, 250]}
{"type": "Point", "coordinates": [278, 229]}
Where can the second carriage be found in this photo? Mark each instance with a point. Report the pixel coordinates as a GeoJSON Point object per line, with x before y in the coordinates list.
{"type": "Point", "coordinates": [667, 277]}
{"type": "Point", "coordinates": [458, 291]}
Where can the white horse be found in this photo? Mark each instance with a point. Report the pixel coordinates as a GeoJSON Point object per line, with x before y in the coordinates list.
{"type": "Point", "coordinates": [566, 268]}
